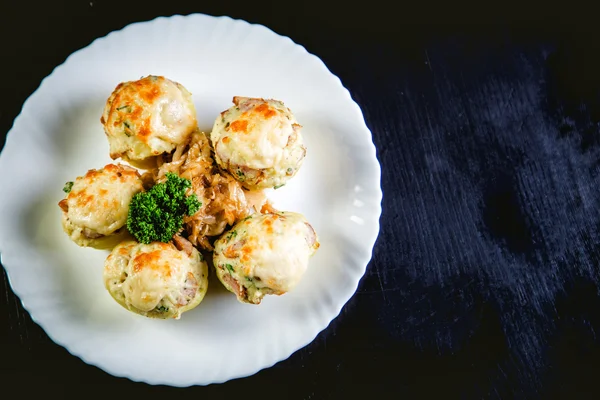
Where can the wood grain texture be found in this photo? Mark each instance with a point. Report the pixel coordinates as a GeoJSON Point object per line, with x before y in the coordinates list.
{"type": "Point", "coordinates": [484, 280]}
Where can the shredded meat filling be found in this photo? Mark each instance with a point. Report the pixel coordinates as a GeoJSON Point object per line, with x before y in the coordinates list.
{"type": "Point", "coordinates": [224, 202]}
{"type": "Point", "coordinates": [183, 244]}
{"type": "Point", "coordinates": [239, 289]}
{"type": "Point", "coordinates": [189, 292]}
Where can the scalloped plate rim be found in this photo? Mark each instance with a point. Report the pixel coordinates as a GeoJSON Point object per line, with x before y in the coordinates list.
{"type": "Point", "coordinates": [377, 196]}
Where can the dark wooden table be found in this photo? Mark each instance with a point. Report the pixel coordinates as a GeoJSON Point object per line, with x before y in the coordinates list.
{"type": "Point", "coordinates": [484, 280]}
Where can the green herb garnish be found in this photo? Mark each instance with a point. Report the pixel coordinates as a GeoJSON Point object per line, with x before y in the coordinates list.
{"type": "Point", "coordinates": [68, 186]}
{"type": "Point", "coordinates": [241, 176]}
{"type": "Point", "coordinates": [127, 129]}
{"type": "Point", "coordinates": [157, 215]}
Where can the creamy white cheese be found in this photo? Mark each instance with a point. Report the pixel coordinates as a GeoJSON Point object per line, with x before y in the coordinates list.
{"type": "Point", "coordinates": [98, 202]}
{"type": "Point", "coordinates": [265, 254]}
{"type": "Point", "coordinates": [156, 280]}
{"type": "Point", "coordinates": [259, 142]}
{"type": "Point", "coordinates": [148, 117]}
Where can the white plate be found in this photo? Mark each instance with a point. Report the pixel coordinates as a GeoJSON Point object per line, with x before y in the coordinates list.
{"type": "Point", "coordinates": [58, 136]}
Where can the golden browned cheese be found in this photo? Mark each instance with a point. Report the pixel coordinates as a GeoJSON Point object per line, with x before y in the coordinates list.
{"type": "Point", "coordinates": [148, 117]}
{"type": "Point", "coordinates": [259, 142]}
{"type": "Point", "coordinates": [98, 203]}
{"type": "Point", "coordinates": [265, 254]}
{"type": "Point", "coordinates": [156, 280]}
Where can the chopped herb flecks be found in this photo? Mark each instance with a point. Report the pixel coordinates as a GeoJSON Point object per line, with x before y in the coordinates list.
{"type": "Point", "coordinates": [240, 175]}
{"type": "Point", "coordinates": [68, 186]}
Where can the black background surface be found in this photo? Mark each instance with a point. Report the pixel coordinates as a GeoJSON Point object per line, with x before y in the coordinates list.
{"type": "Point", "coordinates": [484, 280]}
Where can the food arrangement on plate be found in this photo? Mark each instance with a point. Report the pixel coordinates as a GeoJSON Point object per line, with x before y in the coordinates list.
{"type": "Point", "coordinates": [184, 194]}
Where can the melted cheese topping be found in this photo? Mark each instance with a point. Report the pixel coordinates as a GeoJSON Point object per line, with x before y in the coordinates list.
{"type": "Point", "coordinates": [148, 117]}
{"type": "Point", "coordinates": [98, 202]}
{"type": "Point", "coordinates": [155, 280]}
{"type": "Point", "coordinates": [265, 254]}
{"type": "Point", "coordinates": [259, 142]}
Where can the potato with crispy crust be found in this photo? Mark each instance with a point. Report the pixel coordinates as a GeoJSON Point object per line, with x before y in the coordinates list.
{"type": "Point", "coordinates": [156, 280]}
{"type": "Point", "coordinates": [148, 117]}
{"type": "Point", "coordinates": [97, 203]}
{"type": "Point", "coordinates": [259, 142]}
{"type": "Point", "coordinates": [265, 254]}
